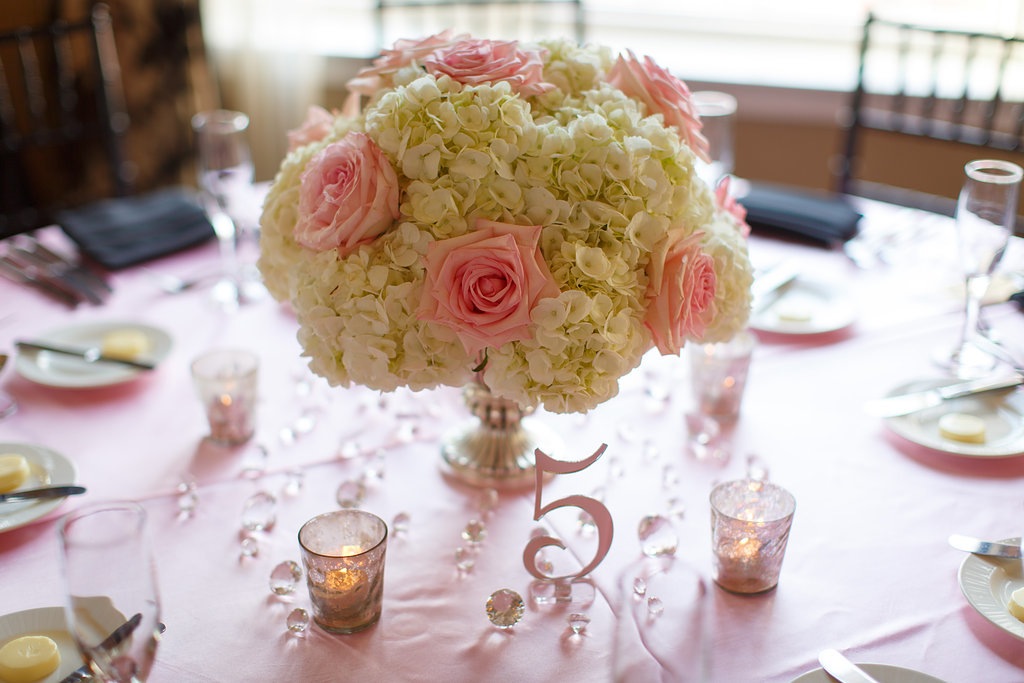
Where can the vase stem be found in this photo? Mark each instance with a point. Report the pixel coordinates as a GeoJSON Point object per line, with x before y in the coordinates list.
{"type": "Point", "coordinates": [496, 449]}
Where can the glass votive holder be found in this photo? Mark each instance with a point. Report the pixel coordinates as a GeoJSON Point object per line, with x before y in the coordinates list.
{"type": "Point", "coordinates": [226, 382]}
{"type": "Point", "coordinates": [718, 375]}
{"type": "Point", "coordinates": [750, 522]}
{"type": "Point", "coordinates": [343, 554]}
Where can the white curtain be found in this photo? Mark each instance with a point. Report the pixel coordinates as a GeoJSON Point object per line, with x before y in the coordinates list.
{"type": "Point", "coordinates": [265, 69]}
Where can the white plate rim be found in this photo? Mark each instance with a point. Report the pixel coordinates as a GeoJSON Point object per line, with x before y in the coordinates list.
{"type": "Point", "coordinates": [906, 426]}
{"type": "Point", "coordinates": [976, 577]}
{"type": "Point", "coordinates": [841, 311]}
{"type": "Point", "coordinates": [51, 620]}
{"type": "Point", "coordinates": [61, 471]}
{"type": "Point", "coordinates": [886, 672]}
{"type": "Point", "coordinates": [97, 376]}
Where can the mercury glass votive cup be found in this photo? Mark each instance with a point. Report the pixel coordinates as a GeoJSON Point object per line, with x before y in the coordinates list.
{"type": "Point", "coordinates": [718, 375]}
{"type": "Point", "coordinates": [226, 381]}
{"type": "Point", "coordinates": [750, 522]}
{"type": "Point", "coordinates": [343, 555]}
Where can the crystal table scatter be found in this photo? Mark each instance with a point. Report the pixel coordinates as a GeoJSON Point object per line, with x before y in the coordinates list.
{"type": "Point", "coordinates": [505, 608]}
{"type": "Point", "coordinates": [226, 382]}
{"type": "Point", "coordinates": [750, 522]}
{"type": "Point", "coordinates": [343, 554]}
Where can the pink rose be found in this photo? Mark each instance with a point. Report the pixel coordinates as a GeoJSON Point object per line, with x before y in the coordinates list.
{"type": "Point", "coordinates": [348, 196]}
{"type": "Point", "coordinates": [663, 94]}
{"type": "Point", "coordinates": [680, 292]}
{"type": "Point", "coordinates": [484, 284]}
{"type": "Point", "coordinates": [405, 52]}
{"type": "Point", "coordinates": [316, 127]}
{"type": "Point", "coordinates": [476, 62]}
{"type": "Point", "coordinates": [726, 202]}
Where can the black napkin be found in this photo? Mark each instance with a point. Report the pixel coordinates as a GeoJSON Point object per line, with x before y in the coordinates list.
{"type": "Point", "coordinates": [818, 217]}
{"type": "Point", "coordinates": [123, 232]}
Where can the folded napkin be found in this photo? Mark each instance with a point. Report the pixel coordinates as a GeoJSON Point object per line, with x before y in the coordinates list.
{"type": "Point", "coordinates": [125, 231]}
{"type": "Point", "coordinates": [815, 216]}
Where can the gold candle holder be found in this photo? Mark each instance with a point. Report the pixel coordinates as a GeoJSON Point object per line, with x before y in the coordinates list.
{"type": "Point", "coordinates": [750, 522]}
{"type": "Point", "coordinates": [343, 554]}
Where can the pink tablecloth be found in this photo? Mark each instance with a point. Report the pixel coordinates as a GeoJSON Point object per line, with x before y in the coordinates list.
{"type": "Point", "coordinates": [868, 569]}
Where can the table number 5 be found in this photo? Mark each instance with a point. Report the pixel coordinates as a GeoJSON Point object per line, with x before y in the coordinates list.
{"type": "Point", "coordinates": [545, 464]}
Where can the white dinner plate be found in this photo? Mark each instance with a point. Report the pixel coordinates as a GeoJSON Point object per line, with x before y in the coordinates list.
{"type": "Point", "coordinates": [50, 622]}
{"type": "Point", "coordinates": [806, 307]}
{"type": "Point", "coordinates": [883, 672]}
{"type": "Point", "coordinates": [60, 370]}
{"type": "Point", "coordinates": [46, 468]}
{"type": "Point", "coordinates": [987, 583]}
{"type": "Point", "coordinates": [1003, 414]}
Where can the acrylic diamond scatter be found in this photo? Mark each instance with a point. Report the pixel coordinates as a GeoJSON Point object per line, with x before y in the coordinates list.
{"type": "Point", "coordinates": [464, 560]}
{"type": "Point", "coordinates": [350, 493]}
{"type": "Point", "coordinates": [505, 608]}
{"type": "Point", "coordinates": [475, 531]}
{"type": "Point", "coordinates": [400, 523]}
{"type": "Point", "coordinates": [655, 607]}
{"type": "Point", "coordinates": [639, 586]}
{"type": "Point", "coordinates": [578, 622]}
{"type": "Point", "coordinates": [258, 512]}
{"type": "Point", "coordinates": [250, 546]}
{"type": "Point", "coordinates": [487, 501]}
{"type": "Point", "coordinates": [298, 620]}
{"type": "Point", "coordinates": [657, 536]}
{"type": "Point", "coordinates": [284, 577]}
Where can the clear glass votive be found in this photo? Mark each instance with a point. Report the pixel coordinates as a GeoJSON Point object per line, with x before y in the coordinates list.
{"type": "Point", "coordinates": [226, 381]}
{"type": "Point", "coordinates": [343, 554]}
{"type": "Point", "coordinates": [750, 522]}
{"type": "Point", "coordinates": [718, 375]}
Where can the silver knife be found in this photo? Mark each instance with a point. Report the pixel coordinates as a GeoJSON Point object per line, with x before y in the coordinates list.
{"type": "Point", "coordinates": [904, 404]}
{"type": "Point", "coordinates": [89, 355]}
{"type": "Point", "coordinates": [769, 287]}
{"type": "Point", "coordinates": [60, 273]}
{"type": "Point", "coordinates": [842, 669]}
{"type": "Point", "coordinates": [992, 548]}
{"type": "Point", "coordinates": [78, 267]}
{"type": "Point", "coordinates": [16, 274]}
{"type": "Point", "coordinates": [41, 493]}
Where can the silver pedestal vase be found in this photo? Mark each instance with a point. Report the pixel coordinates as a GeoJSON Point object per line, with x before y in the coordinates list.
{"type": "Point", "coordinates": [496, 449]}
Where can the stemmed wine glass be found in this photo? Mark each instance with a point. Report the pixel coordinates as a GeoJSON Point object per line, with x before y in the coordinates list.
{"type": "Point", "coordinates": [985, 215]}
{"type": "Point", "coordinates": [225, 175]}
{"type": "Point", "coordinates": [107, 567]}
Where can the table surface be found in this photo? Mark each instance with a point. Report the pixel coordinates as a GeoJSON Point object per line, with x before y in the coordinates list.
{"type": "Point", "coordinates": [868, 569]}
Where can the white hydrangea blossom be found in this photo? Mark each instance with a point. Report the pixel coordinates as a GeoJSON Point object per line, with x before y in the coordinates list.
{"type": "Point", "coordinates": [604, 179]}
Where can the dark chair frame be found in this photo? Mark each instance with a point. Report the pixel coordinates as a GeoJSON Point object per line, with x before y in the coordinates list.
{"type": "Point", "coordinates": [43, 111]}
{"type": "Point", "coordinates": [984, 120]}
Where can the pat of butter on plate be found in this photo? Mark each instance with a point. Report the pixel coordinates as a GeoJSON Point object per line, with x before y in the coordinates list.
{"type": "Point", "coordinates": [962, 427]}
{"type": "Point", "coordinates": [14, 470]}
{"type": "Point", "coordinates": [28, 659]}
{"type": "Point", "coordinates": [126, 344]}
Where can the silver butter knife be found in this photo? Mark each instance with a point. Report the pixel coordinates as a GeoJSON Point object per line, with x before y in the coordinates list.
{"type": "Point", "coordinates": [89, 355]}
{"type": "Point", "coordinates": [904, 404]}
{"type": "Point", "coordinates": [41, 493]}
{"type": "Point", "coordinates": [991, 548]}
{"type": "Point", "coordinates": [842, 669]}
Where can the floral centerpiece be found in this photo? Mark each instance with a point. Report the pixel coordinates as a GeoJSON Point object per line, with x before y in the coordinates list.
{"type": "Point", "coordinates": [529, 213]}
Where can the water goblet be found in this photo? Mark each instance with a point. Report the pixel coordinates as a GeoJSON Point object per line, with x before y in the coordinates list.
{"type": "Point", "coordinates": [107, 567]}
{"type": "Point", "coordinates": [985, 215]}
{"type": "Point", "coordinates": [8, 406]}
{"type": "Point", "coordinates": [225, 174]}
{"type": "Point", "coordinates": [717, 111]}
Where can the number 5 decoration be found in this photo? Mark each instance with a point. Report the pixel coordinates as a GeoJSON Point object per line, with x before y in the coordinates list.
{"type": "Point", "coordinates": [593, 507]}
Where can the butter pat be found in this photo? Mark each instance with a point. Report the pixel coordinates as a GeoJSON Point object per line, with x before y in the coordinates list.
{"type": "Point", "coordinates": [127, 344]}
{"type": "Point", "coordinates": [13, 471]}
{"type": "Point", "coordinates": [1017, 603]}
{"type": "Point", "coordinates": [962, 427]}
{"type": "Point", "coordinates": [28, 659]}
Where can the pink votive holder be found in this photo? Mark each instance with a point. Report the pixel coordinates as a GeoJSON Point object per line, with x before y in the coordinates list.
{"type": "Point", "coordinates": [719, 375]}
{"type": "Point", "coordinates": [343, 555]}
{"type": "Point", "coordinates": [750, 522]}
{"type": "Point", "coordinates": [226, 381]}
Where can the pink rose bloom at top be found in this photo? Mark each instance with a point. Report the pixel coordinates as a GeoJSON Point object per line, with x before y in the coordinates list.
{"type": "Point", "coordinates": [316, 127]}
{"type": "Point", "coordinates": [484, 284]}
{"type": "Point", "coordinates": [348, 196]}
{"type": "Point", "coordinates": [368, 80]}
{"type": "Point", "coordinates": [726, 202]}
{"type": "Point", "coordinates": [476, 62]}
{"type": "Point", "coordinates": [663, 94]}
{"type": "Point", "coordinates": [680, 293]}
